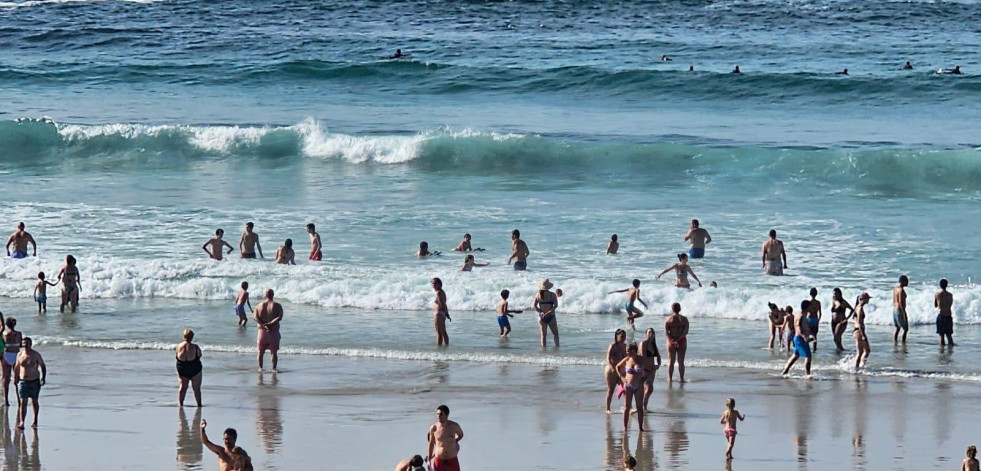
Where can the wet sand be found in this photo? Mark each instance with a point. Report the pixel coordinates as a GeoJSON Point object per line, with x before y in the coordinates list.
{"type": "Point", "coordinates": [106, 409]}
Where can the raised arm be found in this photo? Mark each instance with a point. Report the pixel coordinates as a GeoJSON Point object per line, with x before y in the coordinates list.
{"type": "Point", "coordinates": [619, 291]}
{"type": "Point", "coordinates": [207, 443]}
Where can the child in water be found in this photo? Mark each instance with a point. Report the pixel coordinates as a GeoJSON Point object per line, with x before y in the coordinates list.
{"type": "Point", "coordinates": [971, 462]}
{"type": "Point", "coordinates": [240, 302]}
{"type": "Point", "coordinates": [41, 293]}
{"type": "Point", "coordinates": [729, 421]}
{"type": "Point", "coordinates": [503, 313]}
{"type": "Point", "coordinates": [469, 263]}
{"type": "Point", "coordinates": [241, 459]}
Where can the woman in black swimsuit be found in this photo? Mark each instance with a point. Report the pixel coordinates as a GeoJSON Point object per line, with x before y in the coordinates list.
{"type": "Point", "coordinates": [189, 368]}
{"type": "Point", "coordinates": [839, 321]}
{"type": "Point", "coordinates": [71, 280]}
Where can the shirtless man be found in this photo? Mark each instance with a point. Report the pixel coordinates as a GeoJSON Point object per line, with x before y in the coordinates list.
{"type": "Point", "coordinates": [411, 464]}
{"type": "Point", "coordinates": [28, 380]}
{"type": "Point", "coordinates": [633, 296]}
{"type": "Point", "coordinates": [943, 301]}
{"type": "Point", "coordinates": [315, 253]}
{"type": "Point", "coordinates": [444, 442]}
{"type": "Point", "coordinates": [215, 245]}
{"type": "Point", "coordinates": [613, 246]}
{"type": "Point", "coordinates": [676, 329]}
{"type": "Point", "coordinates": [19, 239]}
{"type": "Point", "coordinates": [441, 313]}
{"type": "Point", "coordinates": [268, 314]}
{"type": "Point", "coordinates": [899, 317]}
{"type": "Point", "coordinates": [814, 315]}
{"type": "Point", "coordinates": [698, 237]}
{"type": "Point", "coordinates": [249, 242]}
{"type": "Point", "coordinates": [519, 251]}
{"type": "Point", "coordinates": [231, 457]}
{"type": "Point", "coordinates": [801, 335]}
{"type": "Point", "coordinates": [772, 253]}
{"type": "Point", "coordinates": [464, 245]}
{"type": "Point", "coordinates": [285, 254]}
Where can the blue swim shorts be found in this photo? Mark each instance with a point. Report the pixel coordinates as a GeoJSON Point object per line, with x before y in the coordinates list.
{"type": "Point", "coordinates": [801, 348]}
{"type": "Point", "coordinates": [503, 322]}
{"type": "Point", "coordinates": [696, 253]}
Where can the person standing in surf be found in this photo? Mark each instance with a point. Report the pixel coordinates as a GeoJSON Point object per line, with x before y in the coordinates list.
{"type": "Point", "coordinates": [676, 330]}
{"type": "Point", "coordinates": [519, 252]}
{"type": "Point", "coordinates": [776, 321]}
{"type": "Point", "coordinates": [773, 252]}
{"type": "Point", "coordinates": [839, 318]}
{"type": "Point", "coordinates": [943, 301]}
{"type": "Point", "coordinates": [801, 334]}
{"type": "Point", "coordinates": [315, 254]}
{"type": "Point", "coordinates": [441, 313]}
{"type": "Point", "coordinates": [189, 368]}
{"type": "Point", "coordinates": [11, 342]}
{"type": "Point", "coordinates": [682, 270]}
{"type": "Point", "coordinates": [862, 347]}
{"type": "Point", "coordinates": [71, 284]}
{"type": "Point", "coordinates": [613, 246]}
{"type": "Point", "coordinates": [503, 313]}
{"type": "Point", "coordinates": [900, 318]}
{"type": "Point", "coordinates": [249, 242]}
{"type": "Point", "coordinates": [285, 254]}
{"type": "Point", "coordinates": [19, 239]}
{"type": "Point", "coordinates": [464, 245]}
{"type": "Point", "coordinates": [268, 314]}
{"type": "Point", "coordinates": [699, 238]}
{"type": "Point", "coordinates": [546, 302]}
{"type": "Point", "coordinates": [633, 296]}
{"type": "Point", "coordinates": [614, 354]}
{"type": "Point", "coordinates": [814, 314]}
{"type": "Point", "coordinates": [214, 245]}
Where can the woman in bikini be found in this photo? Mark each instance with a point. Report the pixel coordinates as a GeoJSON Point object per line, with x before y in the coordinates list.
{"type": "Point", "coordinates": [71, 280]}
{"type": "Point", "coordinates": [862, 347]}
{"type": "Point", "coordinates": [635, 370]}
{"type": "Point", "coordinates": [682, 269]}
{"type": "Point", "coordinates": [441, 313]}
{"type": "Point", "coordinates": [11, 341]}
{"type": "Point", "coordinates": [839, 321]}
{"type": "Point", "coordinates": [545, 303]}
{"type": "Point", "coordinates": [614, 354]}
{"type": "Point", "coordinates": [189, 368]}
{"type": "Point", "coordinates": [648, 348]}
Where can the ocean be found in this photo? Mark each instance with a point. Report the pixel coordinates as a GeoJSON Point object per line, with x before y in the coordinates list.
{"type": "Point", "coordinates": [131, 130]}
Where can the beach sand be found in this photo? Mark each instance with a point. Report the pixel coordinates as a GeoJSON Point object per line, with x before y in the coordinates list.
{"type": "Point", "coordinates": [106, 409]}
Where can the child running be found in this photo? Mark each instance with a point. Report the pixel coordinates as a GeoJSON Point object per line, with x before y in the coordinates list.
{"type": "Point", "coordinates": [971, 462]}
{"type": "Point", "coordinates": [729, 421]}
{"type": "Point", "coordinates": [240, 302]}
{"type": "Point", "coordinates": [633, 295]}
{"type": "Point", "coordinates": [41, 292]}
{"type": "Point", "coordinates": [503, 313]}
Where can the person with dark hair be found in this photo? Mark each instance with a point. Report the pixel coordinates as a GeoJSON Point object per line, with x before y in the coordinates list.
{"type": "Point", "coordinates": [773, 251]}
{"type": "Point", "coordinates": [814, 315]}
{"type": "Point", "coordinates": [699, 238]}
{"type": "Point", "coordinates": [801, 335]}
{"type": "Point", "coordinates": [900, 318]}
{"type": "Point", "coordinates": [444, 442]}
{"type": "Point", "coordinates": [503, 313]}
{"type": "Point", "coordinates": [519, 251]}
{"type": "Point", "coordinates": [11, 341]}
{"type": "Point", "coordinates": [315, 254]}
{"type": "Point", "coordinates": [424, 250]}
{"type": "Point", "coordinates": [30, 374]}
{"type": "Point", "coordinates": [648, 349]}
{"type": "Point", "coordinates": [249, 242]}
{"type": "Point", "coordinates": [676, 329]}
{"type": "Point", "coordinates": [285, 254]}
{"type": "Point", "coordinates": [464, 245]}
{"type": "Point", "coordinates": [19, 239]}
{"type": "Point", "coordinates": [41, 293]}
{"type": "Point", "coordinates": [411, 464]}
{"type": "Point", "coordinates": [469, 262]}
{"type": "Point", "coordinates": [230, 457]}
{"type": "Point", "coordinates": [682, 270]}
{"type": "Point", "coordinates": [839, 317]}
{"type": "Point", "coordinates": [613, 246]}
{"type": "Point", "coordinates": [441, 313]}
{"type": "Point", "coordinates": [776, 320]}
{"type": "Point", "coordinates": [71, 280]}
{"type": "Point", "coordinates": [633, 296]}
{"type": "Point", "coordinates": [614, 354]}
{"type": "Point", "coordinates": [546, 302]}
{"type": "Point", "coordinates": [635, 370]}
{"type": "Point", "coordinates": [943, 301]}
{"type": "Point", "coordinates": [214, 245]}
{"type": "Point", "coordinates": [862, 347]}
{"type": "Point", "coordinates": [268, 314]}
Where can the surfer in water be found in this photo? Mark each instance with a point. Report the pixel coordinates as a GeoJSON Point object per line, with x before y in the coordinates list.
{"type": "Point", "coordinates": [955, 71]}
{"type": "Point", "coordinates": [665, 58]}
{"type": "Point", "coordinates": [843, 72]}
{"type": "Point", "coordinates": [736, 70]}
{"type": "Point", "coordinates": [399, 54]}
{"type": "Point", "coordinates": [907, 66]}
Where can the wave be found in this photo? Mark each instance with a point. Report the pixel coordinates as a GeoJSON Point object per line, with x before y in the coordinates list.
{"type": "Point", "coordinates": [871, 166]}
{"type": "Point", "coordinates": [406, 289]}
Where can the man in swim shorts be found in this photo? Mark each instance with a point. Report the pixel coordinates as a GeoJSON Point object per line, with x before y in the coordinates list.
{"type": "Point", "coordinates": [676, 329]}
{"type": "Point", "coordinates": [249, 242]}
{"type": "Point", "coordinates": [29, 380]}
{"type": "Point", "coordinates": [899, 316]}
{"type": "Point", "coordinates": [19, 239]}
{"type": "Point", "coordinates": [943, 301]}
{"type": "Point", "coordinates": [268, 314]}
{"type": "Point", "coordinates": [698, 237]}
{"type": "Point", "coordinates": [801, 335]}
{"type": "Point", "coordinates": [315, 254]}
{"type": "Point", "coordinates": [772, 253]}
{"type": "Point", "coordinates": [215, 244]}
{"type": "Point", "coordinates": [519, 251]}
{"type": "Point", "coordinates": [444, 442]}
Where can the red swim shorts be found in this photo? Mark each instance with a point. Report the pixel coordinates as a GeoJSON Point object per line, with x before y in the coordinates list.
{"type": "Point", "coordinates": [317, 256]}
{"type": "Point", "coordinates": [452, 464]}
{"type": "Point", "coordinates": [268, 340]}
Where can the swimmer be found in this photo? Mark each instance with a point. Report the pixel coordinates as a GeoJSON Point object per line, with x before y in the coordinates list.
{"type": "Point", "coordinates": [682, 270]}
{"type": "Point", "coordinates": [41, 292]}
{"type": "Point", "coordinates": [691, 68]}
{"type": "Point", "coordinates": [285, 254]}
{"type": "Point", "coordinates": [19, 239]}
{"type": "Point", "coordinates": [616, 352]}
{"type": "Point", "coordinates": [955, 71]}
{"type": "Point", "coordinates": [315, 254]}
{"type": "Point", "coordinates": [862, 347]}
{"type": "Point", "coordinates": [613, 246]}
{"type": "Point", "coordinates": [546, 302]}
{"type": "Point", "coordinates": [773, 251]}
{"type": "Point", "coordinates": [441, 313]}
{"type": "Point", "coordinates": [399, 54]}
{"type": "Point", "coordinates": [633, 296]}
{"type": "Point", "coordinates": [71, 284]}
{"type": "Point", "coordinates": [801, 335]}
{"type": "Point", "coordinates": [665, 58]}
{"type": "Point", "coordinates": [906, 66]}
{"type": "Point", "coordinates": [943, 301]}
{"type": "Point", "coordinates": [215, 245]}
{"type": "Point", "coordinates": [736, 70]}
{"type": "Point", "coordinates": [240, 302]}
{"type": "Point", "coordinates": [469, 263]}
{"type": "Point", "coordinates": [699, 238]}
{"type": "Point", "coordinates": [503, 313]}
{"type": "Point", "coordinates": [424, 250]}
{"type": "Point", "coordinates": [729, 421]}
{"type": "Point", "coordinates": [249, 242]}
{"type": "Point", "coordinates": [519, 252]}
{"type": "Point", "coordinates": [814, 315]}
{"type": "Point", "coordinates": [464, 246]}
{"type": "Point", "coordinates": [676, 329]}
{"type": "Point", "coordinates": [843, 72]}
{"type": "Point", "coordinates": [839, 319]}
{"type": "Point", "coordinates": [713, 285]}
{"type": "Point", "coordinates": [900, 318]}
